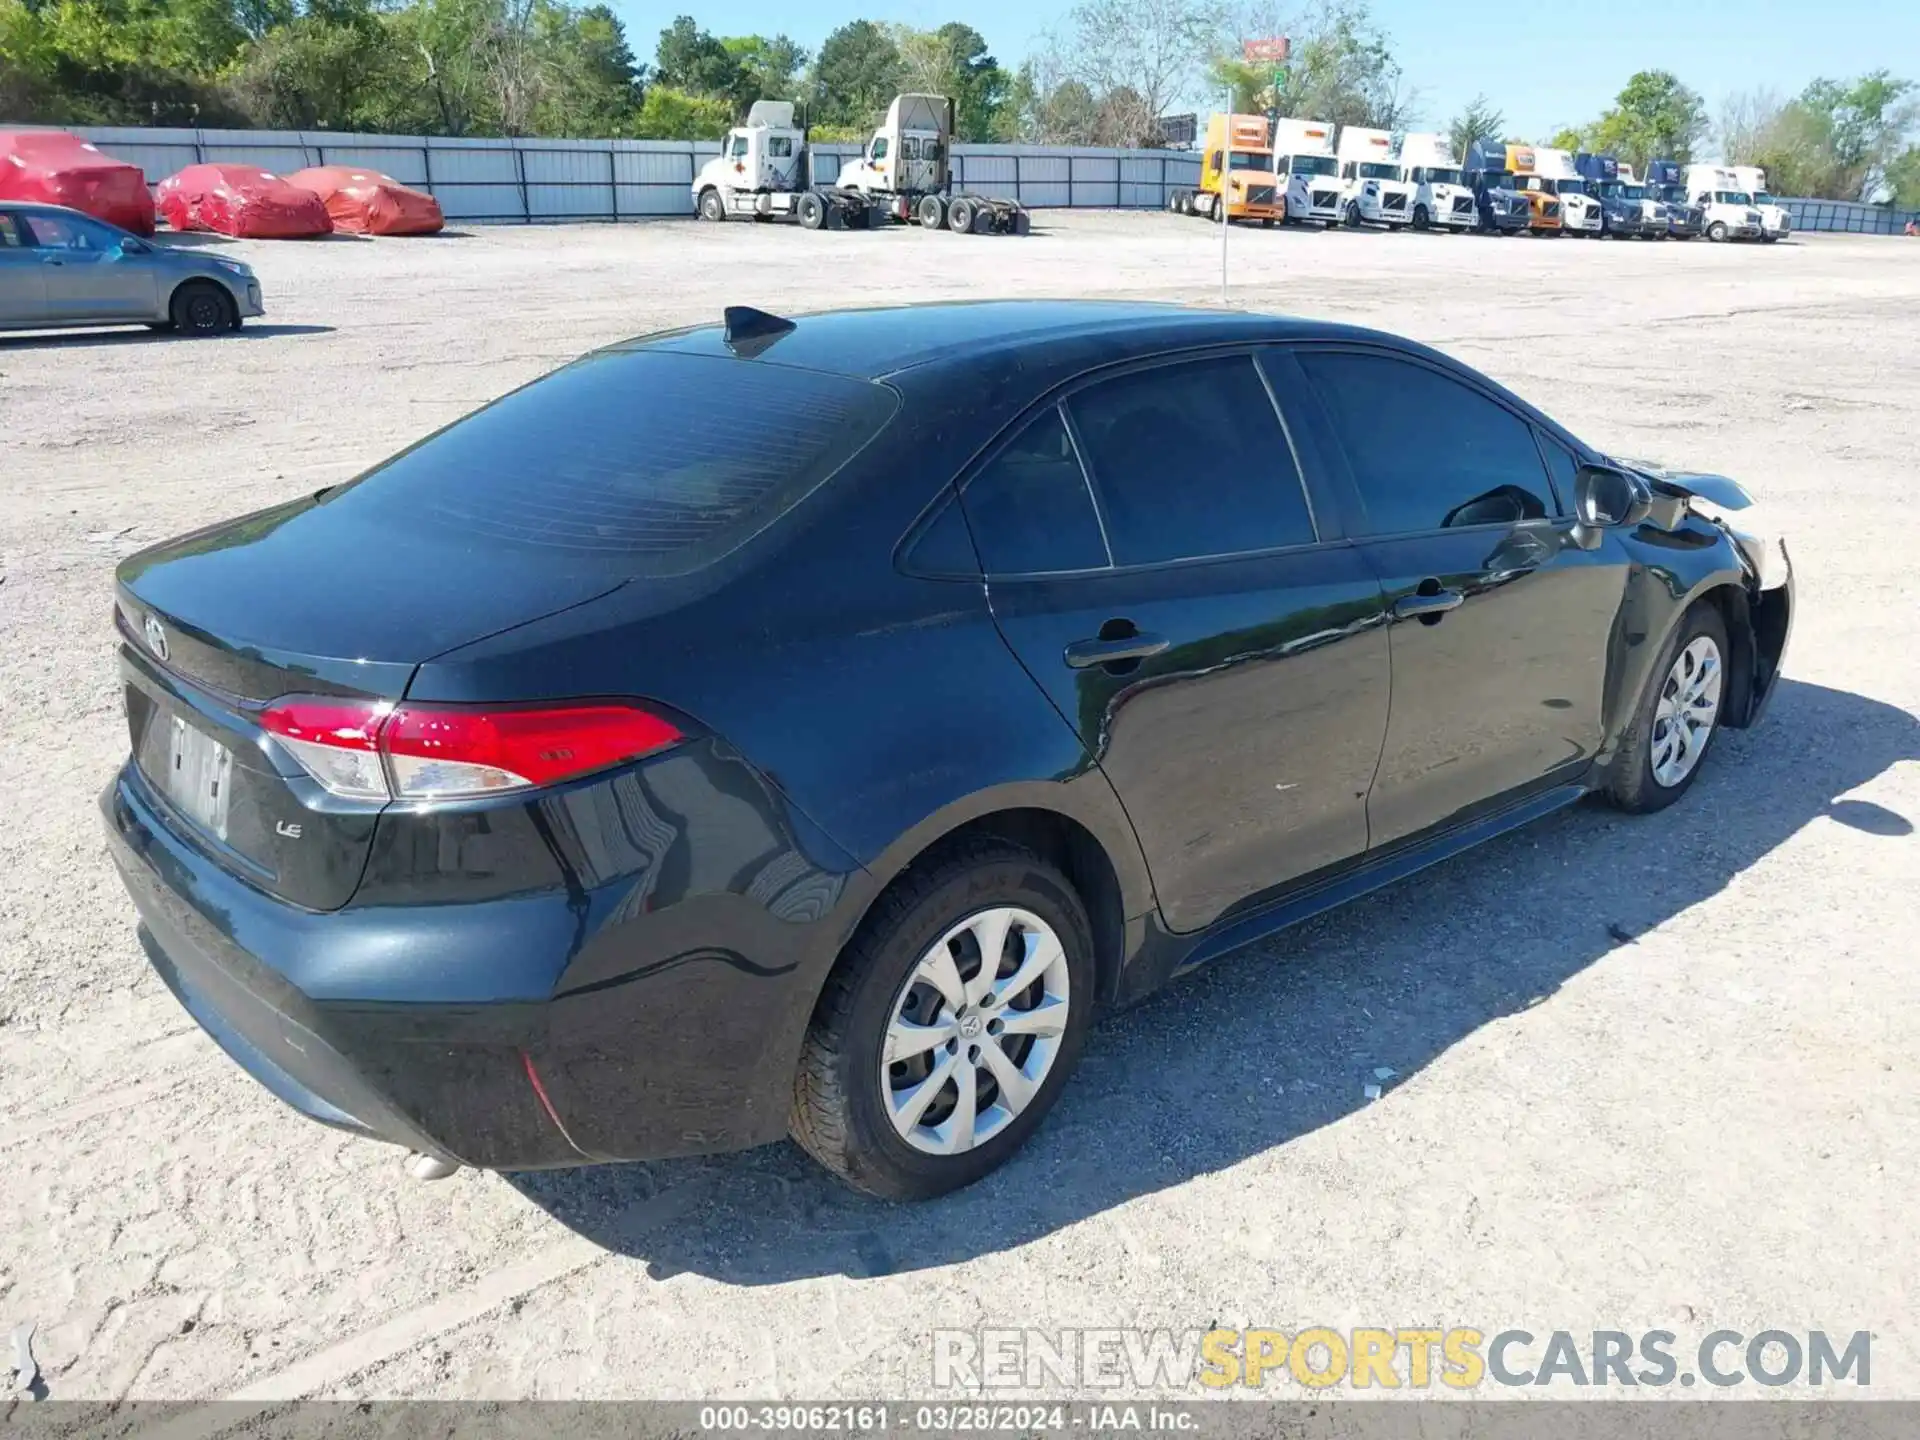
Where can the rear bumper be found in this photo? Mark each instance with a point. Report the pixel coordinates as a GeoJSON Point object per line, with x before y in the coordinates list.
{"type": "Point", "coordinates": [542, 1029]}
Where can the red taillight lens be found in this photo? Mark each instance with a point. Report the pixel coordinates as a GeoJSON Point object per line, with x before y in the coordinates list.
{"type": "Point", "coordinates": [373, 750]}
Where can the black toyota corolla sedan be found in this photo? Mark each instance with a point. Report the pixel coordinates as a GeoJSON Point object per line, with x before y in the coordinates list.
{"type": "Point", "coordinates": [808, 726]}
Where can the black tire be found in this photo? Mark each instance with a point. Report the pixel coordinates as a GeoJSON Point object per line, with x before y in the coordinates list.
{"type": "Point", "coordinates": [1352, 217]}
{"type": "Point", "coordinates": [932, 214]}
{"type": "Point", "coordinates": [960, 216]}
{"type": "Point", "coordinates": [838, 1116]}
{"type": "Point", "coordinates": [1633, 787]}
{"type": "Point", "coordinates": [200, 307]}
{"type": "Point", "coordinates": [811, 211]}
{"type": "Point", "coordinates": [1717, 232]}
{"type": "Point", "coordinates": [712, 207]}
{"type": "Point", "coordinates": [1421, 219]}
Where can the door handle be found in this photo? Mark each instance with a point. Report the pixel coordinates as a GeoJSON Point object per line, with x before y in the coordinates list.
{"type": "Point", "coordinates": [1421, 607]}
{"type": "Point", "coordinates": [51, 260]}
{"type": "Point", "coordinates": [1084, 654]}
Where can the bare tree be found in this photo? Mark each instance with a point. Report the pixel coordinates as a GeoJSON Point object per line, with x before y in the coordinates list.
{"type": "Point", "coordinates": [513, 63]}
{"type": "Point", "coordinates": [1749, 120]}
{"type": "Point", "coordinates": [1138, 57]}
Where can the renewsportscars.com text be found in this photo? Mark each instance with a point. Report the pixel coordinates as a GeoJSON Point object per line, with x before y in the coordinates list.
{"type": "Point", "coordinates": [1413, 1357]}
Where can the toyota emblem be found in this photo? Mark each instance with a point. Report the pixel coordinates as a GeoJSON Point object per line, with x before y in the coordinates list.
{"type": "Point", "coordinates": [156, 637]}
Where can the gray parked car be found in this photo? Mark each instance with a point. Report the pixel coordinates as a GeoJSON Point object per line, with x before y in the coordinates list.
{"type": "Point", "coordinates": [59, 267]}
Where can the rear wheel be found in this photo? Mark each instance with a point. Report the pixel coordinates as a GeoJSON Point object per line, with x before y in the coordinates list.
{"type": "Point", "coordinates": [201, 307]}
{"type": "Point", "coordinates": [812, 211]}
{"type": "Point", "coordinates": [1677, 717]}
{"type": "Point", "coordinates": [933, 212]}
{"type": "Point", "coordinates": [960, 216]}
{"type": "Point", "coordinates": [949, 1025]}
{"type": "Point", "coordinates": [712, 207]}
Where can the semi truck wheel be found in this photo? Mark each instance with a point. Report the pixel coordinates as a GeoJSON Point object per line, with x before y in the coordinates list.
{"type": "Point", "coordinates": [960, 216]}
{"type": "Point", "coordinates": [1717, 231]}
{"type": "Point", "coordinates": [933, 212]}
{"type": "Point", "coordinates": [712, 207]}
{"type": "Point", "coordinates": [1421, 219]}
{"type": "Point", "coordinates": [812, 211]}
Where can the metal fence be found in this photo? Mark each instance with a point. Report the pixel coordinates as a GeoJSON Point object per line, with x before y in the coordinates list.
{"type": "Point", "coordinates": [521, 180]}
{"type": "Point", "coordinates": [1848, 217]}
{"type": "Point", "coordinates": [534, 180]}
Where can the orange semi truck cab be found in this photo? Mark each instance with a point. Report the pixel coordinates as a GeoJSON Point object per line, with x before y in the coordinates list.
{"type": "Point", "coordinates": [1539, 191]}
{"type": "Point", "coordinates": [1238, 163]}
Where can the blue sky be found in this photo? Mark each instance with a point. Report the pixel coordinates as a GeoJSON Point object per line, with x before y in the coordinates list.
{"type": "Point", "coordinates": [1545, 64]}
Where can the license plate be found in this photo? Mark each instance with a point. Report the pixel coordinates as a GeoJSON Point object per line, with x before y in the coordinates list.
{"type": "Point", "coordinates": [199, 776]}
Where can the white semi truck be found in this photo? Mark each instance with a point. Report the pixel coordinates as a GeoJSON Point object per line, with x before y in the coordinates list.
{"type": "Point", "coordinates": [1580, 209]}
{"type": "Point", "coordinates": [1730, 211]}
{"type": "Point", "coordinates": [1442, 199]}
{"type": "Point", "coordinates": [1372, 191]}
{"type": "Point", "coordinates": [1303, 159]}
{"type": "Point", "coordinates": [765, 171]}
{"type": "Point", "coordinates": [1774, 220]}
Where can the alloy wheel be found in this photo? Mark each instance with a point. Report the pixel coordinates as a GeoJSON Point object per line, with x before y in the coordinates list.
{"type": "Point", "coordinates": [1688, 707]}
{"type": "Point", "coordinates": [975, 1030]}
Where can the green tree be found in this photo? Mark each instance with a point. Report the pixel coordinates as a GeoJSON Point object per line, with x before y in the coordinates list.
{"type": "Point", "coordinates": [954, 61]}
{"type": "Point", "coordinates": [1903, 178]}
{"type": "Point", "coordinates": [1654, 117]}
{"type": "Point", "coordinates": [690, 59]}
{"type": "Point", "coordinates": [856, 75]}
{"type": "Point", "coordinates": [595, 83]}
{"type": "Point", "coordinates": [322, 74]}
{"type": "Point", "coordinates": [1567, 138]}
{"type": "Point", "coordinates": [768, 69]}
{"type": "Point", "coordinates": [669, 114]}
{"type": "Point", "coordinates": [1479, 121]}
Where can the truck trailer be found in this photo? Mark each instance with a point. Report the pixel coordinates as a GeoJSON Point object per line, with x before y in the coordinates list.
{"type": "Point", "coordinates": [765, 172]}
{"type": "Point", "coordinates": [1237, 164]}
{"type": "Point", "coordinates": [1303, 157]}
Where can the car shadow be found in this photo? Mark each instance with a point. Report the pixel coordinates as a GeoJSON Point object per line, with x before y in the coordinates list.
{"type": "Point", "coordinates": [81, 339]}
{"type": "Point", "coordinates": [1275, 1042]}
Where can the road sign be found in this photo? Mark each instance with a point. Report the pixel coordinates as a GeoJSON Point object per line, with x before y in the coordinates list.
{"type": "Point", "coordinates": [1274, 50]}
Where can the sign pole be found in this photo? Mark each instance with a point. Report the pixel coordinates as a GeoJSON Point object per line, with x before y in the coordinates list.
{"type": "Point", "coordinates": [1226, 190]}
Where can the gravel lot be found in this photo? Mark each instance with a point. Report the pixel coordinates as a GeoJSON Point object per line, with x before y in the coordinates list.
{"type": "Point", "coordinates": [1713, 1125]}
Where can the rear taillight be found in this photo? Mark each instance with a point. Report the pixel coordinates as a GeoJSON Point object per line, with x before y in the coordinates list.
{"type": "Point", "coordinates": [375, 750]}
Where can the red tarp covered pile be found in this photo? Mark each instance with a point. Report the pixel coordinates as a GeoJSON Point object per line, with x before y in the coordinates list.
{"type": "Point", "coordinates": [366, 202]}
{"type": "Point", "coordinates": [51, 167]}
{"type": "Point", "coordinates": [240, 200]}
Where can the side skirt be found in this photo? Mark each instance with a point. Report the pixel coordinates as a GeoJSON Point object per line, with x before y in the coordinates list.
{"type": "Point", "coordinates": [1373, 875]}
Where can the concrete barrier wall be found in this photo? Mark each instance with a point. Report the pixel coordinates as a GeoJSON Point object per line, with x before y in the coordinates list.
{"type": "Point", "coordinates": [522, 180]}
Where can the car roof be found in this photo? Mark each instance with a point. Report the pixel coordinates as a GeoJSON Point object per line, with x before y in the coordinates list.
{"type": "Point", "coordinates": [873, 344]}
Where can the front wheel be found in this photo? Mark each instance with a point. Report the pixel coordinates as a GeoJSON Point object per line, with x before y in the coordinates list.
{"type": "Point", "coordinates": [1677, 718]}
{"type": "Point", "coordinates": [1717, 231]}
{"type": "Point", "coordinates": [1421, 219]}
{"type": "Point", "coordinates": [201, 307]}
{"type": "Point", "coordinates": [949, 1025]}
{"type": "Point", "coordinates": [712, 207]}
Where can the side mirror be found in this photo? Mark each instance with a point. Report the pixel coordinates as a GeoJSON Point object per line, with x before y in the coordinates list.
{"type": "Point", "coordinates": [1606, 498]}
{"type": "Point", "coordinates": [132, 246]}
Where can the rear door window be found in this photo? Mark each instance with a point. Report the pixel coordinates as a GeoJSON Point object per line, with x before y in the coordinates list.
{"type": "Point", "coordinates": [1030, 509]}
{"type": "Point", "coordinates": [1427, 452]}
{"type": "Point", "coordinates": [1190, 460]}
{"type": "Point", "coordinates": [636, 462]}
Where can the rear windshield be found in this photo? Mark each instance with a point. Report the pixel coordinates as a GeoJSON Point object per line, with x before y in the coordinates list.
{"type": "Point", "coordinates": [637, 462]}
